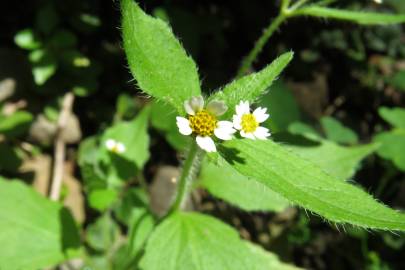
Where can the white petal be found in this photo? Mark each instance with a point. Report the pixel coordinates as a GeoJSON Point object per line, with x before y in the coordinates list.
{"type": "Point", "coordinates": [261, 133]}
{"type": "Point", "coordinates": [224, 130]}
{"type": "Point", "coordinates": [237, 121]}
{"type": "Point", "coordinates": [206, 143]}
{"type": "Point", "coordinates": [184, 125]}
{"type": "Point", "coordinates": [110, 144]}
{"type": "Point", "coordinates": [247, 135]}
{"type": "Point", "coordinates": [120, 148]}
{"type": "Point", "coordinates": [217, 108]}
{"type": "Point", "coordinates": [242, 108]}
{"type": "Point", "coordinates": [260, 114]}
{"type": "Point", "coordinates": [188, 108]}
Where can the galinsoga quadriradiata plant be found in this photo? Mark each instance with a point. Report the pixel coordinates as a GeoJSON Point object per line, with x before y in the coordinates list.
{"type": "Point", "coordinates": [226, 127]}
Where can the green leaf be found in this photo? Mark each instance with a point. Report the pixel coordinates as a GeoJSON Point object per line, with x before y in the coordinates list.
{"type": "Point", "coordinates": [102, 199]}
{"type": "Point", "coordinates": [394, 116]}
{"type": "Point", "coordinates": [307, 131]}
{"type": "Point", "coordinates": [156, 58]}
{"type": "Point", "coordinates": [36, 232]}
{"type": "Point", "coordinates": [102, 233]}
{"type": "Point", "coordinates": [27, 39]}
{"type": "Point", "coordinates": [337, 132]}
{"type": "Point", "coordinates": [392, 146]}
{"type": "Point", "coordinates": [134, 135]}
{"type": "Point", "coordinates": [16, 124]}
{"type": "Point", "coordinates": [226, 183]}
{"type": "Point", "coordinates": [264, 260]}
{"type": "Point", "coordinates": [360, 17]}
{"type": "Point", "coordinates": [398, 80]}
{"type": "Point", "coordinates": [10, 160]}
{"type": "Point", "coordinates": [44, 65]}
{"type": "Point", "coordinates": [250, 87]}
{"type": "Point", "coordinates": [195, 241]}
{"type": "Point", "coordinates": [341, 162]}
{"type": "Point", "coordinates": [307, 185]}
{"type": "Point", "coordinates": [281, 106]}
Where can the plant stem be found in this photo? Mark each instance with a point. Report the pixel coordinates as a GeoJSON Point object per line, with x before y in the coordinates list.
{"type": "Point", "coordinates": [267, 33]}
{"type": "Point", "coordinates": [184, 178]}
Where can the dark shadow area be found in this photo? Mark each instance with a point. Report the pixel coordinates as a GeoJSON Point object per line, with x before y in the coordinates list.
{"type": "Point", "coordinates": [69, 232]}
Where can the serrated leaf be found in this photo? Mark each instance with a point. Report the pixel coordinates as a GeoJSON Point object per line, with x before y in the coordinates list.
{"type": "Point", "coordinates": [250, 87]}
{"type": "Point", "coordinates": [156, 58]}
{"type": "Point", "coordinates": [392, 146]}
{"type": "Point", "coordinates": [307, 185]}
{"type": "Point", "coordinates": [337, 132]}
{"type": "Point", "coordinates": [195, 241]}
{"type": "Point", "coordinates": [337, 160]}
{"type": "Point", "coordinates": [394, 116]}
{"type": "Point", "coordinates": [36, 232]}
{"type": "Point", "coordinates": [360, 17]}
{"type": "Point", "coordinates": [226, 183]}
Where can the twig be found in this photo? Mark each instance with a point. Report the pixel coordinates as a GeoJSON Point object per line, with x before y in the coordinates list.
{"type": "Point", "coordinates": [59, 152]}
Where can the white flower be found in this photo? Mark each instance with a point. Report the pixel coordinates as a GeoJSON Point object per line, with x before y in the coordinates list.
{"type": "Point", "coordinates": [114, 146]}
{"type": "Point", "coordinates": [248, 123]}
{"type": "Point", "coordinates": [202, 122]}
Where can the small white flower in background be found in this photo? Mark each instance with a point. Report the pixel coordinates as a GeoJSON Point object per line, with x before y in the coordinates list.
{"type": "Point", "coordinates": [202, 122]}
{"type": "Point", "coordinates": [378, 1]}
{"type": "Point", "coordinates": [249, 123]}
{"type": "Point", "coordinates": [114, 146]}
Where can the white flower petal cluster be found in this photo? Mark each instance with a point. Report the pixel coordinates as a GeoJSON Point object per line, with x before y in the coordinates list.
{"type": "Point", "coordinates": [202, 122]}
{"type": "Point", "coordinates": [249, 123]}
{"type": "Point", "coordinates": [115, 146]}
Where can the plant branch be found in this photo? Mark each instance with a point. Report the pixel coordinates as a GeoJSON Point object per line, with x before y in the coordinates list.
{"type": "Point", "coordinates": [60, 147]}
{"type": "Point", "coordinates": [185, 177]}
{"type": "Point", "coordinates": [267, 33]}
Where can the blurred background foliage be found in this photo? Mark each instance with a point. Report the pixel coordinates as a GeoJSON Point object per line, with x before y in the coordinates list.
{"type": "Point", "coordinates": [339, 104]}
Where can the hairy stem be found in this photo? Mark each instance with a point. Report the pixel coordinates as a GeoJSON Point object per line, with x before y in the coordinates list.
{"type": "Point", "coordinates": [267, 33]}
{"type": "Point", "coordinates": [185, 177]}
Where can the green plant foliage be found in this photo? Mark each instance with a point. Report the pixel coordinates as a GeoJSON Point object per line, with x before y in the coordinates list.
{"type": "Point", "coordinates": [307, 131]}
{"type": "Point", "coordinates": [307, 185]}
{"type": "Point", "coordinates": [196, 241]}
{"type": "Point", "coordinates": [265, 260]}
{"type": "Point", "coordinates": [102, 233]}
{"type": "Point", "coordinates": [360, 17]}
{"type": "Point", "coordinates": [394, 116]}
{"type": "Point", "coordinates": [250, 87]}
{"type": "Point", "coordinates": [27, 39]}
{"type": "Point", "coordinates": [10, 160]}
{"type": "Point", "coordinates": [156, 58]}
{"type": "Point", "coordinates": [102, 199]}
{"type": "Point", "coordinates": [281, 105]}
{"type": "Point", "coordinates": [337, 132]}
{"type": "Point", "coordinates": [15, 124]}
{"type": "Point", "coordinates": [392, 146]}
{"type": "Point", "coordinates": [341, 162]}
{"type": "Point", "coordinates": [42, 230]}
{"type": "Point", "coordinates": [134, 136]}
{"type": "Point", "coordinates": [398, 80]}
{"type": "Point", "coordinates": [44, 65]}
{"type": "Point", "coordinates": [226, 183]}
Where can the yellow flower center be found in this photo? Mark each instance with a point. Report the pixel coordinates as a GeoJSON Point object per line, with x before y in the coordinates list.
{"type": "Point", "coordinates": [203, 123]}
{"type": "Point", "coordinates": [249, 123]}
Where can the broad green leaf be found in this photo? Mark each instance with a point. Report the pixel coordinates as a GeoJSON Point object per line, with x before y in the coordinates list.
{"type": "Point", "coordinates": [250, 87]}
{"type": "Point", "coordinates": [394, 116]}
{"type": "Point", "coordinates": [392, 146]}
{"type": "Point", "coordinates": [102, 234]}
{"type": "Point", "coordinates": [35, 232]}
{"type": "Point", "coordinates": [337, 132]}
{"type": "Point", "coordinates": [281, 106]}
{"type": "Point", "coordinates": [27, 39]}
{"type": "Point", "coordinates": [226, 183]}
{"type": "Point", "coordinates": [195, 241]}
{"type": "Point", "coordinates": [15, 124]}
{"type": "Point", "coordinates": [101, 199]}
{"type": "Point", "coordinates": [339, 161]}
{"type": "Point", "coordinates": [305, 184]}
{"type": "Point", "coordinates": [265, 260]}
{"type": "Point", "coordinates": [360, 17]}
{"type": "Point", "coordinates": [300, 128]}
{"type": "Point", "coordinates": [156, 58]}
{"type": "Point", "coordinates": [134, 136]}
